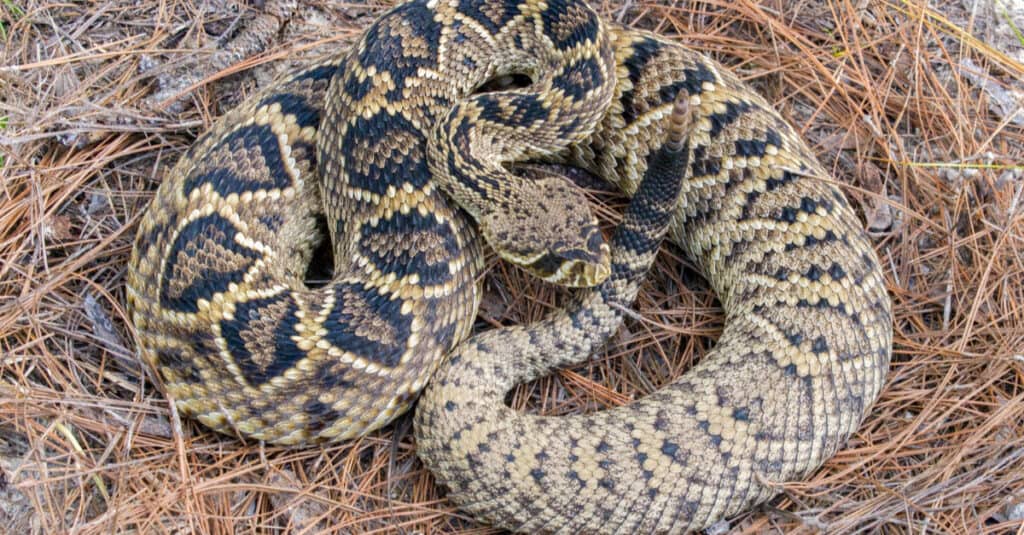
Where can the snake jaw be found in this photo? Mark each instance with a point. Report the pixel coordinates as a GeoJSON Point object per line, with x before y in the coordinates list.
{"type": "Point", "coordinates": [580, 261]}
{"type": "Point", "coordinates": [577, 268]}
{"type": "Point", "coordinates": [573, 268]}
{"type": "Point", "coordinates": [584, 267]}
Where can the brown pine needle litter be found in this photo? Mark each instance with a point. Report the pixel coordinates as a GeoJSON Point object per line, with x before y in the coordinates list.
{"type": "Point", "coordinates": [915, 106]}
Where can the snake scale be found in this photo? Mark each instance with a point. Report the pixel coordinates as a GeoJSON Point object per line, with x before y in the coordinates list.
{"type": "Point", "coordinates": [381, 139]}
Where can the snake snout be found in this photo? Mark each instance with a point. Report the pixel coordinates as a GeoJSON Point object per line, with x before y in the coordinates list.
{"type": "Point", "coordinates": [590, 264]}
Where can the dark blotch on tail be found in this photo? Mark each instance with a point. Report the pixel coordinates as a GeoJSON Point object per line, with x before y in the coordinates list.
{"type": "Point", "coordinates": [649, 213]}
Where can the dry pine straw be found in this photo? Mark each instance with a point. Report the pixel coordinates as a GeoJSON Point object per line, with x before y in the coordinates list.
{"type": "Point", "coordinates": [87, 442]}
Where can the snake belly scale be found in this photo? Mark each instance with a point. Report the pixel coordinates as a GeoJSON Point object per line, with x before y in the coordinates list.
{"type": "Point", "coordinates": [380, 138]}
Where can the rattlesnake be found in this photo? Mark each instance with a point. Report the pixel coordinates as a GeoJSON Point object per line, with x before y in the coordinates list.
{"type": "Point", "coordinates": [216, 292]}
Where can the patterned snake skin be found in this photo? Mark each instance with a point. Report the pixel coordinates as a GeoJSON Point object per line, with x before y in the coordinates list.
{"type": "Point", "coordinates": [393, 128]}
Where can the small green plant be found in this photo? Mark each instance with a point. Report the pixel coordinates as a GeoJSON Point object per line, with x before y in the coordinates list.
{"type": "Point", "coordinates": [16, 13]}
{"type": "Point", "coordinates": [3, 125]}
{"type": "Point", "coordinates": [13, 8]}
{"type": "Point", "coordinates": [1009, 21]}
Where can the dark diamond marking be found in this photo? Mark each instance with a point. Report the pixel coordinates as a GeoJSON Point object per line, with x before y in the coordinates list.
{"type": "Point", "coordinates": [579, 78]}
{"type": "Point", "coordinates": [643, 52]}
{"type": "Point", "coordinates": [422, 245]}
{"type": "Point", "coordinates": [692, 82]}
{"type": "Point", "coordinates": [292, 104]}
{"type": "Point", "coordinates": [285, 352]}
{"type": "Point", "coordinates": [498, 15]}
{"type": "Point", "coordinates": [561, 13]}
{"type": "Point", "coordinates": [225, 181]}
{"type": "Point", "coordinates": [733, 111]}
{"type": "Point", "coordinates": [386, 49]}
{"type": "Point", "coordinates": [194, 240]}
{"type": "Point", "coordinates": [391, 163]}
{"type": "Point", "coordinates": [357, 308]}
{"type": "Point", "coordinates": [526, 110]}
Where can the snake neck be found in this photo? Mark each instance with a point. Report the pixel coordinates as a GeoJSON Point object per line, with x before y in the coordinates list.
{"type": "Point", "coordinates": [572, 75]}
{"type": "Point", "coordinates": [593, 315]}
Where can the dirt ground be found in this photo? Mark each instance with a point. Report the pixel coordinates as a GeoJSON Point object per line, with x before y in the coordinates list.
{"type": "Point", "coordinates": [917, 107]}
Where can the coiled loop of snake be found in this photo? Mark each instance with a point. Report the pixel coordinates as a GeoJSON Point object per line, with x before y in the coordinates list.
{"type": "Point", "coordinates": [216, 286]}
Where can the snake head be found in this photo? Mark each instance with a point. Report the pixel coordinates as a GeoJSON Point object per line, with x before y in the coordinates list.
{"type": "Point", "coordinates": [548, 229]}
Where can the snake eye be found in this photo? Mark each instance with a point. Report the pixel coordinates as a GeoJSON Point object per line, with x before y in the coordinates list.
{"type": "Point", "coordinates": [547, 265]}
{"type": "Point", "coordinates": [595, 241]}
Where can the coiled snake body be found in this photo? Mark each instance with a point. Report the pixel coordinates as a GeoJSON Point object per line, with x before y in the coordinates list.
{"type": "Point", "coordinates": [393, 130]}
